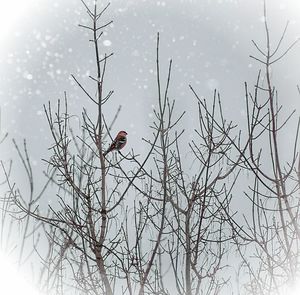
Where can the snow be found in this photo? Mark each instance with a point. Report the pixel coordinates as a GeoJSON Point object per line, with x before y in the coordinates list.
{"type": "Point", "coordinates": [107, 42]}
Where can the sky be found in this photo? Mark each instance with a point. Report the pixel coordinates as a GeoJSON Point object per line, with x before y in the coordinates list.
{"type": "Point", "coordinates": [209, 42]}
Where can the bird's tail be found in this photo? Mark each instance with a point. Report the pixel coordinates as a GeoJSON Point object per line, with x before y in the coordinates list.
{"type": "Point", "coordinates": [106, 152]}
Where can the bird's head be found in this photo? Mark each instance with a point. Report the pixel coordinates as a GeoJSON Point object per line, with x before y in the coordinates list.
{"type": "Point", "coordinates": [122, 133]}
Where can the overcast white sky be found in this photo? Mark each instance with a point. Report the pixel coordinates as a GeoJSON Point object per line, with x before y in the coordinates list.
{"type": "Point", "coordinates": [209, 41]}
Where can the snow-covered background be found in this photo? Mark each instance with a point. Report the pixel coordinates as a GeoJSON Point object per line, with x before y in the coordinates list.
{"type": "Point", "coordinates": [208, 40]}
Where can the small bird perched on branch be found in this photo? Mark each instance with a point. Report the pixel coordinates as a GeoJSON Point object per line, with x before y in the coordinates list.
{"type": "Point", "coordinates": [118, 143]}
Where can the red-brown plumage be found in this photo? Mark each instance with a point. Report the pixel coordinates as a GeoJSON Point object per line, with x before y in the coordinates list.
{"type": "Point", "coordinates": [118, 143]}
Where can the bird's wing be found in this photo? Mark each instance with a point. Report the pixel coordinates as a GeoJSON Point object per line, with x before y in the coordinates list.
{"type": "Point", "coordinates": [120, 142]}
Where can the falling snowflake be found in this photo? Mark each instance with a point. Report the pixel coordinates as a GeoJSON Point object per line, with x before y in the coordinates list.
{"type": "Point", "coordinates": [107, 42]}
{"type": "Point", "coordinates": [27, 76]}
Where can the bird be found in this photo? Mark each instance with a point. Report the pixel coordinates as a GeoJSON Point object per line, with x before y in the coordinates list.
{"type": "Point", "coordinates": [118, 143]}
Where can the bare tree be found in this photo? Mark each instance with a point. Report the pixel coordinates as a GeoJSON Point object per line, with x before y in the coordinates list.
{"type": "Point", "coordinates": [179, 224]}
{"type": "Point", "coordinates": [269, 247]}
